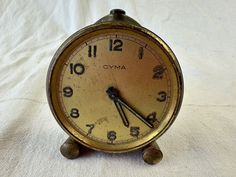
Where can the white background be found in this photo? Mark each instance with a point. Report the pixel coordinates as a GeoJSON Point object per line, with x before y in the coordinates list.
{"type": "Point", "coordinates": [201, 142]}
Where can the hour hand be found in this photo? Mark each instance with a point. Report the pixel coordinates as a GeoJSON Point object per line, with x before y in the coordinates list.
{"type": "Point", "coordinates": [122, 113]}
{"type": "Point", "coordinates": [113, 95]}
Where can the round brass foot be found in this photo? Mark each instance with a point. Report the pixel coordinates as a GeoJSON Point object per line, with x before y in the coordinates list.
{"type": "Point", "coordinates": [70, 149]}
{"type": "Point", "coordinates": [152, 154]}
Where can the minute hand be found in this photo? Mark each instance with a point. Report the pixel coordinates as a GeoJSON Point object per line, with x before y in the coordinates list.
{"type": "Point", "coordinates": [138, 115]}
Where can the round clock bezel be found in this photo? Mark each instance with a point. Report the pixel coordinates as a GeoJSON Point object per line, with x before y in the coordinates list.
{"type": "Point", "coordinates": [85, 32]}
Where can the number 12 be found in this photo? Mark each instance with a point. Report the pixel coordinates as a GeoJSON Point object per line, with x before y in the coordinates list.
{"type": "Point", "coordinates": [115, 45]}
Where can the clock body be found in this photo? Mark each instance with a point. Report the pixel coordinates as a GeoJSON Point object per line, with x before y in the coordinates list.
{"type": "Point", "coordinates": [124, 56]}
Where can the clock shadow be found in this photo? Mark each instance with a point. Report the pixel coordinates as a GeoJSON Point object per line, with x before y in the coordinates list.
{"type": "Point", "coordinates": [127, 157]}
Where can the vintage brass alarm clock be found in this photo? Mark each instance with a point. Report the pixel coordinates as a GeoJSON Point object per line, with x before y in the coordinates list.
{"type": "Point", "coordinates": [114, 86]}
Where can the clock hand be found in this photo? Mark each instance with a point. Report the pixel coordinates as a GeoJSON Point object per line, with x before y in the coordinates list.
{"type": "Point", "coordinates": [138, 115]}
{"type": "Point", "coordinates": [114, 95]}
{"type": "Point", "coordinates": [122, 113]}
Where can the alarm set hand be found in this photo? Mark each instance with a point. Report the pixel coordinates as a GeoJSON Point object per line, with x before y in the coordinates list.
{"type": "Point", "coordinates": [114, 95]}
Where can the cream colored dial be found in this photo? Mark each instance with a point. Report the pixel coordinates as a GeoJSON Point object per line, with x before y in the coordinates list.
{"type": "Point", "coordinates": [135, 70]}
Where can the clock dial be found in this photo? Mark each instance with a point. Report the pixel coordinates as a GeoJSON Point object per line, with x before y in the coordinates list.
{"type": "Point", "coordinates": [115, 89]}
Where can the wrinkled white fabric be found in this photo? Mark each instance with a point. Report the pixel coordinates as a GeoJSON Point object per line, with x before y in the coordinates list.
{"type": "Point", "coordinates": [202, 140]}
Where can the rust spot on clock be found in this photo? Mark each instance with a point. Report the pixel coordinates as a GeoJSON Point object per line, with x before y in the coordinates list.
{"type": "Point", "coordinates": [101, 120]}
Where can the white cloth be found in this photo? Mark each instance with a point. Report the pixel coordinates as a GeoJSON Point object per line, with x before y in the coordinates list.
{"type": "Point", "coordinates": [201, 142]}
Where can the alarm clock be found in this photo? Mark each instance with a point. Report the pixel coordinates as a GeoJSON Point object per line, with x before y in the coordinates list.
{"type": "Point", "coordinates": [114, 86]}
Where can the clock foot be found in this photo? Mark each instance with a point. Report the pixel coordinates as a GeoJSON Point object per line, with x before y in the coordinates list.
{"type": "Point", "coordinates": [152, 153]}
{"type": "Point", "coordinates": [70, 149]}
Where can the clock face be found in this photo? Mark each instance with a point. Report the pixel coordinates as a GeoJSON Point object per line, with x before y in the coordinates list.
{"type": "Point", "coordinates": [114, 89]}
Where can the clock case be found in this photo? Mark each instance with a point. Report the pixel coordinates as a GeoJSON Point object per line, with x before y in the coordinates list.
{"type": "Point", "coordinates": [71, 148]}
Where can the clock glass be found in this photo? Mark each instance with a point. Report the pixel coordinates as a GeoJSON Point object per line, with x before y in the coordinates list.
{"type": "Point", "coordinates": [115, 89]}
